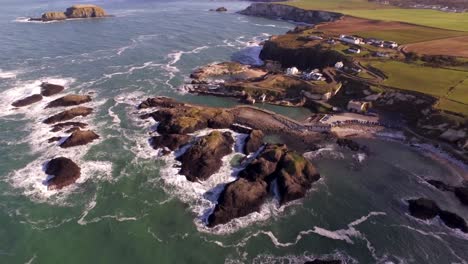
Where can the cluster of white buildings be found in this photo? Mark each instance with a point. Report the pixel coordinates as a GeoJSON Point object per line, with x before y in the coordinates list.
{"type": "Point", "coordinates": [371, 41]}
{"type": "Point", "coordinates": [314, 75]}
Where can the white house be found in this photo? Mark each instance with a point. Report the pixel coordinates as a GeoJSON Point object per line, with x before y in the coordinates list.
{"type": "Point", "coordinates": [339, 65]}
{"type": "Point", "coordinates": [354, 50]}
{"type": "Point", "coordinates": [292, 71]}
{"type": "Point", "coordinates": [390, 44]}
{"type": "Point", "coordinates": [313, 75]}
{"type": "Point", "coordinates": [350, 39]}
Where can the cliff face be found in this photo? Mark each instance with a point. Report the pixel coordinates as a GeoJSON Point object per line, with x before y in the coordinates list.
{"type": "Point", "coordinates": [300, 57]}
{"type": "Point", "coordinates": [85, 11]}
{"type": "Point", "coordinates": [278, 11]}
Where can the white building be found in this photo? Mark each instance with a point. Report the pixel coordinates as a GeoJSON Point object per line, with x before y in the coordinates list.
{"type": "Point", "coordinates": [292, 71]}
{"type": "Point", "coordinates": [390, 44]}
{"type": "Point", "coordinates": [350, 39]}
{"type": "Point", "coordinates": [354, 50]}
{"type": "Point", "coordinates": [339, 65]}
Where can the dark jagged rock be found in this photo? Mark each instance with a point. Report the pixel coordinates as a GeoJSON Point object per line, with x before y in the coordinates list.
{"type": "Point", "coordinates": [27, 100]}
{"type": "Point", "coordinates": [78, 138]}
{"type": "Point", "coordinates": [54, 139]}
{"type": "Point", "coordinates": [69, 100]}
{"type": "Point", "coordinates": [170, 141]}
{"type": "Point", "coordinates": [65, 172]}
{"type": "Point", "coordinates": [441, 185]}
{"type": "Point", "coordinates": [159, 102]}
{"type": "Point", "coordinates": [69, 114]}
{"type": "Point", "coordinates": [204, 157]}
{"type": "Point", "coordinates": [49, 89]}
{"type": "Point", "coordinates": [453, 221]}
{"type": "Point", "coordinates": [320, 261]}
{"type": "Point", "coordinates": [254, 141]}
{"type": "Point", "coordinates": [462, 194]}
{"type": "Point", "coordinates": [239, 198]}
{"type": "Point", "coordinates": [60, 126]}
{"type": "Point", "coordinates": [264, 166]}
{"type": "Point", "coordinates": [350, 144]}
{"type": "Point", "coordinates": [423, 208]}
{"type": "Point", "coordinates": [295, 177]}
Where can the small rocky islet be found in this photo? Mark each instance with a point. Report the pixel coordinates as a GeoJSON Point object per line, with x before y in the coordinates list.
{"type": "Point", "coordinates": [73, 12]}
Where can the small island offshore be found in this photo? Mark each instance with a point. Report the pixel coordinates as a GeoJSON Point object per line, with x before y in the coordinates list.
{"type": "Point", "coordinates": [74, 12]}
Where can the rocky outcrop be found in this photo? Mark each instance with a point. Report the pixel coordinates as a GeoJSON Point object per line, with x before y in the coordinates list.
{"type": "Point", "coordinates": [290, 13]}
{"type": "Point", "coordinates": [220, 9]}
{"type": "Point", "coordinates": [50, 16]}
{"type": "Point", "coordinates": [69, 114]}
{"type": "Point", "coordinates": [27, 100]}
{"type": "Point", "coordinates": [69, 100]}
{"type": "Point", "coordinates": [159, 102]}
{"type": "Point", "coordinates": [76, 11]}
{"type": "Point", "coordinates": [78, 138]}
{"type": "Point", "coordinates": [295, 177]}
{"type": "Point", "coordinates": [293, 173]}
{"type": "Point", "coordinates": [170, 141]}
{"type": "Point", "coordinates": [254, 141]}
{"type": "Point", "coordinates": [203, 159]}
{"type": "Point", "coordinates": [425, 209]}
{"type": "Point", "coordinates": [351, 144]}
{"type": "Point", "coordinates": [65, 172]}
{"type": "Point", "coordinates": [187, 119]}
{"type": "Point", "coordinates": [85, 11]}
{"type": "Point", "coordinates": [239, 198]}
{"type": "Point", "coordinates": [462, 194]}
{"type": "Point", "coordinates": [49, 89]}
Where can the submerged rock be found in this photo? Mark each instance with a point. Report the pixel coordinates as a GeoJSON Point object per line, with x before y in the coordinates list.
{"type": "Point", "coordinates": [239, 198]}
{"type": "Point", "coordinates": [204, 158]}
{"type": "Point", "coordinates": [254, 141]}
{"type": "Point", "coordinates": [462, 194]}
{"type": "Point", "coordinates": [69, 100]}
{"type": "Point", "coordinates": [78, 138]}
{"type": "Point", "coordinates": [65, 172]}
{"type": "Point", "coordinates": [49, 89]}
{"type": "Point", "coordinates": [60, 126]}
{"type": "Point", "coordinates": [27, 100]}
{"type": "Point", "coordinates": [423, 208]}
{"type": "Point", "coordinates": [453, 220]}
{"type": "Point", "coordinates": [69, 114]}
{"type": "Point", "coordinates": [170, 141]}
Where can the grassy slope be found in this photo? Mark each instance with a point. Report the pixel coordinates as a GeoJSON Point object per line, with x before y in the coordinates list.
{"type": "Point", "coordinates": [364, 9]}
{"type": "Point", "coordinates": [449, 85]}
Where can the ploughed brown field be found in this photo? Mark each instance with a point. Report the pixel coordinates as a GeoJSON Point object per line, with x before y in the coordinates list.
{"type": "Point", "coordinates": [457, 46]}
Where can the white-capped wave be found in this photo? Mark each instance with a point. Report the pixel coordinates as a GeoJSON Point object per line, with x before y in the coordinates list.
{"type": "Point", "coordinates": [8, 74]}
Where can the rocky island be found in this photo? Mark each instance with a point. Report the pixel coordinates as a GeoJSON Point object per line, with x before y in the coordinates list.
{"type": "Point", "coordinates": [76, 11]}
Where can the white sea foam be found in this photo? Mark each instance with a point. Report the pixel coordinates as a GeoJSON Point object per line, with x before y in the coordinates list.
{"type": "Point", "coordinates": [22, 89]}
{"type": "Point", "coordinates": [328, 152]}
{"type": "Point", "coordinates": [8, 74]}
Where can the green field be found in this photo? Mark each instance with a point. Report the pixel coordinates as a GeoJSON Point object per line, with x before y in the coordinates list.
{"type": "Point", "coordinates": [365, 9]}
{"type": "Point", "coordinates": [441, 83]}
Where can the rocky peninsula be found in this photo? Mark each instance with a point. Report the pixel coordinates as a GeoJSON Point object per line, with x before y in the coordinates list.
{"type": "Point", "coordinates": [74, 12]}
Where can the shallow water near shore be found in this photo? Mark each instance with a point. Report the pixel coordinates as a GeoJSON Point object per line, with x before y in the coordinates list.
{"type": "Point", "coordinates": [128, 206]}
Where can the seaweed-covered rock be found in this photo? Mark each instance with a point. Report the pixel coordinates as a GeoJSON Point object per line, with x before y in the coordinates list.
{"type": "Point", "coordinates": [204, 158]}
{"type": "Point", "coordinates": [69, 100]}
{"type": "Point", "coordinates": [239, 198]}
{"type": "Point", "coordinates": [65, 172]}
{"type": "Point", "coordinates": [423, 208]}
{"type": "Point", "coordinates": [78, 138]}
{"type": "Point", "coordinates": [295, 176]}
{"type": "Point", "coordinates": [254, 141]}
{"type": "Point", "coordinates": [27, 100]}
{"type": "Point", "coordinates": [170, 141]}
{"type": "Point", "coordinates": [69, 114]}
{"type": "Point", "coordinates": [49, 89]}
